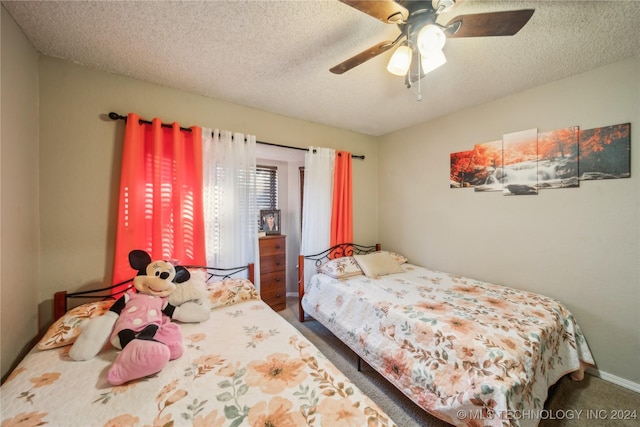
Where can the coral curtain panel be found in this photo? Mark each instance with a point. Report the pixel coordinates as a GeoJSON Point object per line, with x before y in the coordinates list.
{"type": "Point", "coordinates": [342, 208]}
{"type": "Point", "coordinates": [160, 207]}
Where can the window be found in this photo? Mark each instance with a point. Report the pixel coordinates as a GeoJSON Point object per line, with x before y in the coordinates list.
{"type": "Point", "coordinates": [267, 187]}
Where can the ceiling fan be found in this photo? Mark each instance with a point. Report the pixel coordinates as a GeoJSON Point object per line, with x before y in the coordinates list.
{"type": "Point", "coordinates": [421, 37]}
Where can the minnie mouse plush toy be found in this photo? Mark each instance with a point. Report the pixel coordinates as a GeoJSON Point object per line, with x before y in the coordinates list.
{"type": "Point", "coordinates": [140, 323]}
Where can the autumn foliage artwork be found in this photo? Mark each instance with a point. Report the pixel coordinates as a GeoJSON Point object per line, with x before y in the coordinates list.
{"type": "Point", "coordinates": [605, 152]}
{"type": "Point", "coordinates": [527, 161]}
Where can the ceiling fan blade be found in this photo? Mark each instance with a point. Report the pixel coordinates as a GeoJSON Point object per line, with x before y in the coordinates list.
{"type": "Point", "coordinates": [363, 56]}
{"type": "Point", "coordinates": [387, 11]}
{"type": "Point", "coordinates": [506, 23]}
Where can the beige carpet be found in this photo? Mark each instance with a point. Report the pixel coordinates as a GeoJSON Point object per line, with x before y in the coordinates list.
{"type": "Point", "coordinates": [591, 402]}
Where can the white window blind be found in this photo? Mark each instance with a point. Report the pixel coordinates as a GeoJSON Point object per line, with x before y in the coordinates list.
{"type": "Point", "coordinates": [267, 187]}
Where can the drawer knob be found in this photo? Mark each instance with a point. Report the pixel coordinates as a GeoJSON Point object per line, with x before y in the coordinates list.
{"type": "Point", "coordinates": [278, 295]}
{"type": "Point", "coordinates": [278, 262]}
{"type": "Point", "coordinates": [277, 245]}
{"type": "Point", "coordinates": [277, 279]}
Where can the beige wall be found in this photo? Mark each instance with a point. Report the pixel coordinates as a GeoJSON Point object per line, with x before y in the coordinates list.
{"type": "Point", "coordinates": [581, 245]}
{"type": "Point", "coordinates": [19, 234]}
{"type": "Point", "coordinates": [80, 152]}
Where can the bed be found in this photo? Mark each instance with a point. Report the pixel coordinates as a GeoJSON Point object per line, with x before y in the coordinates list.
{"type": "Point", "coordinates": [466, 351]}
{"type": "Point", "coordinates": [245, 365]}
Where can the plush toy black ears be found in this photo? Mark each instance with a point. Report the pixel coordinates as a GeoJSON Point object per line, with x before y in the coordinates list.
{"type": "Point", "coordinates": [182, 275]}
{"type": "Point", "coordinates": [139, 260]}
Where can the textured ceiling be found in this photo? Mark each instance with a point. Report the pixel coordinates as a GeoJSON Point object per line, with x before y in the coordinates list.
{"type": "Point", "coordinates": [275, 55]}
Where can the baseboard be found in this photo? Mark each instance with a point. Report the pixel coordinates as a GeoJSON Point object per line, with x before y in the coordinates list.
{"type": "Point", "coordinates": [292, 294]}
{"type": "Point", "coordinates": [630, 385]}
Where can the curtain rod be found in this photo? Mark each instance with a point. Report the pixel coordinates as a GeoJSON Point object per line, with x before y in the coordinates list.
{"type": "Point", "coordinates": [116, 116]}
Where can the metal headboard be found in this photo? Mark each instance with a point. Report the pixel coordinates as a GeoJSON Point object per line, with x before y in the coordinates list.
{"type": "Point", "coordinates": [338, 251]}
{"type": "Point", "coordinates": [341, 250]}
{"type": "Point", "coordinates": [61, 298]}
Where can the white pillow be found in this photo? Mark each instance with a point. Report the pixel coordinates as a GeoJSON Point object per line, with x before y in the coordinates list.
{"type": "Point", "coordinates": [340, 268]}
{"type": "Point", "coordinates": [66, 329]}
{"type": "Point", "coordinates": [400, 258]}
{"type": "Point", "coordinates": [378, 264]}
{"type": "Point", "coordinates": [230, 291]}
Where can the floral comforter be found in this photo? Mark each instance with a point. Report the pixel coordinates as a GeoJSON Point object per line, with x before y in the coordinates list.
{"type": "Point", "coordinates": [244, 366]}
{"type": "Point", "coordinates": [469, 352]}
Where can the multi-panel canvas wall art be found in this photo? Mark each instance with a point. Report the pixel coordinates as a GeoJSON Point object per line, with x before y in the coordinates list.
{"type": "Point", "coordinates": [527, 161]}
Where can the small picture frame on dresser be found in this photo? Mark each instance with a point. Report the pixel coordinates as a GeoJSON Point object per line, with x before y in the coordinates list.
{"type": "Point", "coordinates": [270, 221]}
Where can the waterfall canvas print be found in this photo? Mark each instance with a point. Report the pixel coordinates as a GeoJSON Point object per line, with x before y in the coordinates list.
{"type": "Point", "coordinates": [520, 162]}
{"type": "Point", "coordinates": [558, 158]}
{"type": "Point", "coordinates": [527, 161]}
{"type": "Point", "coordinates": [488, 166]}
{"type": "Point", "coordinates": [605, 152]}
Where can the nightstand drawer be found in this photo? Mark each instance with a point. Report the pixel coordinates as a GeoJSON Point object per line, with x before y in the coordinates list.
{"type": "Point", "coordinates": [273, 289]}
{"type": "Point", "coordinates": [271, 263]}
{"type": "Point", "coordinates": [272, 246]}
{"type": "Point", "coordinates": [274, 280]}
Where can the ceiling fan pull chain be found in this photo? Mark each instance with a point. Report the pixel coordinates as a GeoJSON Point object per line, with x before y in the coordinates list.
{"type": "Point", "coordinates": [419, 93]}
{"type": "Point", "coordinates": [419, 65]}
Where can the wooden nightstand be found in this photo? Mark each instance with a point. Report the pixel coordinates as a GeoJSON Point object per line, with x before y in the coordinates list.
{"type": "Point", "coordinates": [273, 271]}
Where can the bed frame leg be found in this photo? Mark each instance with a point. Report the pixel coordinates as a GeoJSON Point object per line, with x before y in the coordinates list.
{"type": "Point", "coordinates": [359, 364]}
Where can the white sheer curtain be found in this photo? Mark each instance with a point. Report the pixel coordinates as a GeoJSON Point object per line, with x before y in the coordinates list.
{"type": "Point", "coordinates": [317, 202]}
{"type": "Point", "coordinates": [229, 198]}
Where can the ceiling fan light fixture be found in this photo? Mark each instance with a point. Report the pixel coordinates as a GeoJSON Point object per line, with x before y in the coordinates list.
{"type": "Point", "coordinates": [400, 61]}
{"type": "Point", "coordinates": [442, 6]}
{"type": "Point", "coordinates": [432, 60]}
{"type": "Point", "coordinates": [430, 38]}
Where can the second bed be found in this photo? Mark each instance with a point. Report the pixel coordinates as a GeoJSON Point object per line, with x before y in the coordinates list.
{"type": "Point", "coordinates": [468, 352]}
